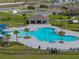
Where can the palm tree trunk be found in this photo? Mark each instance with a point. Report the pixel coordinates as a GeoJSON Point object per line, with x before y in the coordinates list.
{"type": "Point", "coordinates": [4, 38]}
{"type": "Point", "coordinates": [9, 24]}
{"type": "Point", "coordinates": [62, 30]}
{"type": "Point", "coordinates": [16, 39]}
{"type": "Point", "coordinates": [27, 34]}
{"type": "Point", "coordinates": [61, 38]}
{"type": "Point", "coordinates": [5, 43]}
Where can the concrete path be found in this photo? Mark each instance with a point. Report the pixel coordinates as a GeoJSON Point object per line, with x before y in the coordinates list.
{"type": "Point", "coordinates": [11, 3]}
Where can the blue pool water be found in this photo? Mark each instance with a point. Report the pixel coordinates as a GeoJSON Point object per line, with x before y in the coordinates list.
{"type": "Point", "coordinates": [2, 26]}
{"type": "Point", "coordinates": [47, 34]}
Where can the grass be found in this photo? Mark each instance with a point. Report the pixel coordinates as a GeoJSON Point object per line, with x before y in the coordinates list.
{"type": "Point", "coordinates": [14, 20]}
{"type": "Point", "coordinates": [39, 56]}
{"type": "Point", "coordinates": [57, 17]}
{"type": "Point", "coordinates": [66, 25]}
{"type": "Point", "coordinates": [33, 56]}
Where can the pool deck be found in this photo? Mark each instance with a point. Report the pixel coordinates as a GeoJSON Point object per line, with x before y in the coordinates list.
{"type": "Point", "coordinates": [33, 42]}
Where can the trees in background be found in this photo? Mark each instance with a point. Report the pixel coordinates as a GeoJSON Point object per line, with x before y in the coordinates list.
{"type": "Point", "coordinates": [43, 6]}
{"type": "Point", "coordinates": [31, 7]}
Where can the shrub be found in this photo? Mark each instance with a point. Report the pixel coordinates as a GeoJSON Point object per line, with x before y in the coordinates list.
{"type": "Point", "coordinates": [27, 37]}
{"type": "Point", "coordinates": [31, 7]}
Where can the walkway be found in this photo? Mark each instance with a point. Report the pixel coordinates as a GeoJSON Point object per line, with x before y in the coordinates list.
{"type": "Point", "coordinates": [11, 3]}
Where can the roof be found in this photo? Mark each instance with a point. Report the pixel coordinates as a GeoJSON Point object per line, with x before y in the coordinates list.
{"type": "Point", "coordinates": [38, 17]}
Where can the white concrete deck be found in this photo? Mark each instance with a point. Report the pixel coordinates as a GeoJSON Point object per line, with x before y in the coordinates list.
{"type": "Point", "coordinates": [33, 42]}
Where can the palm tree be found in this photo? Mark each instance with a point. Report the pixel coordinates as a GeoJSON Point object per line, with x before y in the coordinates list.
{"type": "Point", "coordinates": [1, 41]}
{"type": "Point", "coordinates": [16, 33]}
{"type": "Point", "coordinates": [9, 21]}
{"type": "Point", "coordinates": [7, 38]}
{"type": "Point", "coordinates": [24, 17]}
{"type": "Point", "coordinates": [62, 22]}
{"type": "Point", "coordinates": [26, 30]}
{"type": "Point", "coordinates": [4, 38]}
{"type": "Point", "coordinates": [4, 34]}
{"type": "Point", "coordinates": [61, 33]}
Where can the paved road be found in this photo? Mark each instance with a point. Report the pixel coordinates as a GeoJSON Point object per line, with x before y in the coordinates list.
{"type": "Point", "coordinates": [45, 12]}
{"type": "Point", "coordinates": [11, 3]}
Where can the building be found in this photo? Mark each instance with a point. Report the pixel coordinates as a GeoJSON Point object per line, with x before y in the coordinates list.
{"type": "Point", "coordinates": [37, 19]}
{"type": "Point", "coordinates": [67, 1]}
{"type": "Point", "coordinates": [64, 1]}
{"type": "Point", "coordinates": [74, 21]}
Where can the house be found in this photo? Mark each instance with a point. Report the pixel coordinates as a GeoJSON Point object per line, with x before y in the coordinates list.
{"type": "Point", "coordinates": [74, 21]}
{"type": "Point", "coordinates": [37, 19]}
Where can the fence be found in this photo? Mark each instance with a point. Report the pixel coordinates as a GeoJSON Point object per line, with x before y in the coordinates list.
{"type": "Point", "coordinates": [23, 51]}
{"type": "Point", "coordinates": [38, 51]}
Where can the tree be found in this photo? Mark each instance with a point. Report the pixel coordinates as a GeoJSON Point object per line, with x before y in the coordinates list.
{"type": "Point", "coordinates": [24, 16]}
{"type": "Point", "coordinates": [4, 38]}
{"type": "Point", "coordinates": [7, 38]}
{"type": "Point", "coordinates": [43, 6]}
{"type": "Point", "coordinates": [16, 33]}
{"type": "Point", "coordinates": [8, 19]}
{"type": "Point", "coordinates": [4, 34]}
{"type": "Point", "coordinates": [61, 33]}
{"type": "Point", "coordinates": [64, 9]}
{"type": "Point", "coordinates": [26, 30]}
{"type": "Point", "coordinates": [62, 22]}
{"type": "Point", "coordinates": [25, 19]}
{"type": "Point", "coordinates": [1, 41]}
{"type": "Point", "coordinates": [31, 7]}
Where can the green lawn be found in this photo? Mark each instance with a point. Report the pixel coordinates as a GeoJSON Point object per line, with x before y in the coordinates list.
{"type": "Point", "coordinates": [34, 56]}
{"type": "Point", "coordinates": [14, 19]}
{"type": "Point", "coordinates": [57, 17]}
{"type": "Point", "coordinates": [66, 25]}
{"type": "Point", "coordinates": [39, 56]}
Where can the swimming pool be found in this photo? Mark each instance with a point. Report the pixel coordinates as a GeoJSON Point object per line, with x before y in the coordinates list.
{"type": "Point", "coordinates": [2, 26]}
{"type": "Point", "coordinates": [48, 34]}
